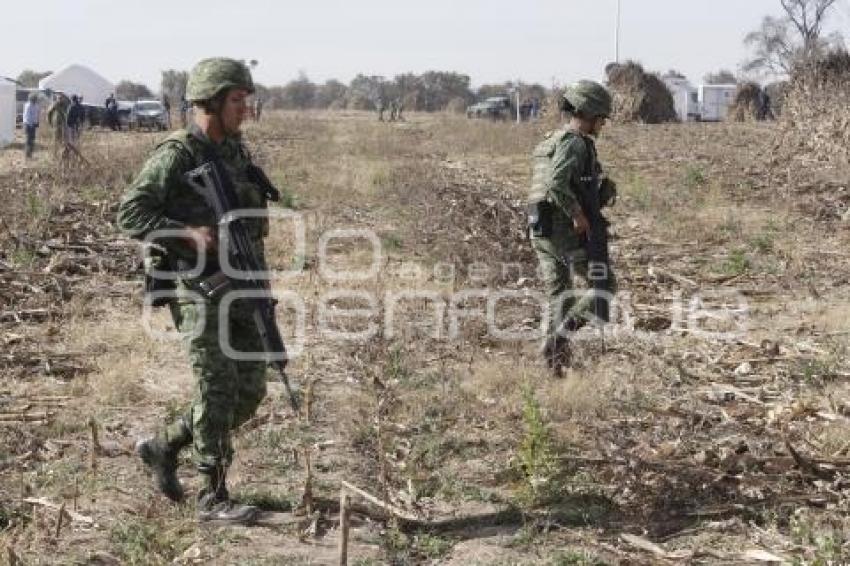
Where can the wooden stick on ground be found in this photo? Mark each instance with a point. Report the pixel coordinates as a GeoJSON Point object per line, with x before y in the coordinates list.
{"type": "Point", "coordinates": [12, 557]}
{"type": "Point", "coordinates": [59, 520]}
{"type": "Point", "coordinates": [308, 402]}
{"type": "Point", "coordinates": [344, 527]}
{"type": "Point", "coordinates": [41, 502]}
{"type": "Point", "coordinates": [95, 443]}
{"type": "Point", "coordinates": [388, 507]}
{"type": "Point", "coordinates": [308, 483]}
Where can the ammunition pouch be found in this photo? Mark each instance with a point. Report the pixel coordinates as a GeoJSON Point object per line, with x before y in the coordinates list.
{"type": "Point", "coordinates": [154, 286]}
{"type": "Point", "coordinates": [540, 219]}
{"type": "Point", "coordinates": [607, 192]}
{"type": "Point", "coordinates": [156, 261]}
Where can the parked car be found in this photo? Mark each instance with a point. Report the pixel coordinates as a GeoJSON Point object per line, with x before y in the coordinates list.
{"type": "Point", "coordinates": [494, 108]}
{"type": "Point", "coordinates": [148, 114]}
{"type": "Point", "coordinates": [96, 114]}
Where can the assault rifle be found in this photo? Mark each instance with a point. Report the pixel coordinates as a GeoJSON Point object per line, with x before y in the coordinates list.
{"type": "Point", "coordinates": [213, 183]}
{"type": "Point", "coordinates": [596, 244]}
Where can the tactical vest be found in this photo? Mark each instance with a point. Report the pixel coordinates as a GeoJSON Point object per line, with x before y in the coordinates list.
{"type": "Point", "coordinates": [250, 191]}
{"type": "Point", "coordinates": [542, 172]}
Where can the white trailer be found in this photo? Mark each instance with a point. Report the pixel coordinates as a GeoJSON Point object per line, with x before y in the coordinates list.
{"type": "Point", "coordinates": [7, 112]}
{"type": "Point", "coordinates": [715, 100]}
{"type": "Point", "coordinates": [684, 97]}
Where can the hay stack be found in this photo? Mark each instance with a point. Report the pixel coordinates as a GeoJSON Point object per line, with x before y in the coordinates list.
{"type": "Point", "coordinates": [639, 96]}
{"type": "Point", "coordinates": [747, 104]}
{"type": "Point", "coordinates": [777, 92]}
{"type": "Point", "coordinates": [816, 110]}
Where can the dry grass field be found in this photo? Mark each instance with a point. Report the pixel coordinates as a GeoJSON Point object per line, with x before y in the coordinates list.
{"type": "Point", "coordinates": [710, 426]}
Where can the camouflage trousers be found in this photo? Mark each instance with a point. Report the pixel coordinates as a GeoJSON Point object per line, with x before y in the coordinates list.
{"type": "Point", "coordinates": [557, 265]}
{"type": "Point", "coordinates": [227, 391]}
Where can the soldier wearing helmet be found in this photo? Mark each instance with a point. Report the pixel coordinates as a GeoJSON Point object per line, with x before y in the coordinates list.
{"type": "Point", "coordinates": [564, 165]}
{"type": "Point", "coordinates": [227, 391]}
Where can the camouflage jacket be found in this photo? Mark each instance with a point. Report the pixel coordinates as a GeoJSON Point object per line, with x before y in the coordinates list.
{"type": "Point", "coordinates": [57, 114]}
{"type": "Point", "coordinates": [561, 163]}
{"type": "Point", "coordinates": [159, 198]}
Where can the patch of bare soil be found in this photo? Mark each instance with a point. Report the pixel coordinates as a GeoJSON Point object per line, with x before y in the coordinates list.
{"type": "Point", "coordinates": [708, 426]}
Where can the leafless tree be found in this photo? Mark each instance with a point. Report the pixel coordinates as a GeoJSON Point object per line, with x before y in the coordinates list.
{"type": "Point", "coordinates": [773, 48]}
{"type": "Point", "coordinates": [807, 17]}
{"type": "Point", "coordinates": [781, 42]}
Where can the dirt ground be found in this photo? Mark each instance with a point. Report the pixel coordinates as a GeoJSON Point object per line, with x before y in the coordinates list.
{"type": "Point", "coordinates": [710, 424]}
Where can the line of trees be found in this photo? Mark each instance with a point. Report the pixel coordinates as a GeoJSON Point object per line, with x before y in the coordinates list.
{"type": "Point", "coordinates": [428, 92]}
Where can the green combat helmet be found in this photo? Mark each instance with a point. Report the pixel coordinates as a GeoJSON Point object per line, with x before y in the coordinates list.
{"type": "Point", "coordinates": [588, 98]}
{"type": "Point", "coordinates": [211, 76]}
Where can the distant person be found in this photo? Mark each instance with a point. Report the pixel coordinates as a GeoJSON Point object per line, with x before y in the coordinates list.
{"type": "Point", "coordinates": [31, 115]}
{"type": "Point", "coordinates": [76, 116]}
{"type": "Point", "coordinates": [764, 111]}
{"type": "Point", "coordinates": [379, 106]}
{"type": "Point", "coordinates": [184, 111]}
{"type": "Point", "coordinates": [57, 117]}
{"type": "Point", "coordinates": [112, 113]}
{"type": "Point", "coordinates": [399, 108]}
{"type": "Point", "coordinates": [258, 107]}
{"type": "Point", "coordinates": [166, 107]}
{"type": "Point", "coordinates": [393, 110]}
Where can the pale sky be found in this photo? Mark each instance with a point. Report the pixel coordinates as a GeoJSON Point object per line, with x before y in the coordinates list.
{"type": "Point", "coordinates": [490, 40]}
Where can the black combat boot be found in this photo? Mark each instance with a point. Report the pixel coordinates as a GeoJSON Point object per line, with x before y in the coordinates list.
{"type": "Point", "coordinates": [160, 453]}
{"type": "Point", "coordinates": [556, 352]}
{"type": "Point", "coordinates": [214, 503]}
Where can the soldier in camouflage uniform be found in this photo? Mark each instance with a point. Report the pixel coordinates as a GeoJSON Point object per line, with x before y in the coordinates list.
{"type": "Point", "coordinates": [228, 391]}
{"type": "Point", "coordinates": [559, 226]}
{"type": "Point", "coordinates": [379, 106]}
{"type": "Point", "coordinates": [57, 117]}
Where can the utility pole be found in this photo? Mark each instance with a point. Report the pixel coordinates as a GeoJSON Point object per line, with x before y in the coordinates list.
{"type": "Point", "coordinates": [517, 103]}
{"type": "Point", "coordinates": [617, 36]}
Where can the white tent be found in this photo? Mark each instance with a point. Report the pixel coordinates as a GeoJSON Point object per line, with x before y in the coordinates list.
{"type": "Point", "coordinates": [8, 112]}
{"type": "Point", "coordinates": [79, 80]}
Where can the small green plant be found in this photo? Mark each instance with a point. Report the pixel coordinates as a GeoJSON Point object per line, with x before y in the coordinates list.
{"type": "Point", "coordinates": [694, 176]}
{"type": "Point", "coordinates": [731, 226]}
{"type": "Point", "coordinates": [298, 262]}
{"type": "Point", "coordinates": [817, 370]}
{"type": "Point", "coordinates": [395, 365]}
{"type": "Point", "coordinates": [267, 501]}
{"type": "Point", "coordinates": [737, 263]}
{"type": "Point", "coordinates": [397, 546]}
{"type": "Point", "coordinates": [823, 542]}
{"type": "Point", "coordinates": [378, 176]}
{"type": "Point", "coordinates": [391, 242]}
{"type": "Point", "coordinates": [142, 542]}
{"type": "Point", "coordinates": [576, 558]}
{"type": "Point", "coordinates": [432, 547]}
{"type": "Point", "coordinates": [536, 453]}
{"type": "Point", "coordinates": [288, 199]}
{"type": "Point", "coordinates": [23, 257]}
{"type": "Point", "coordinates": [763, 243]}
{"type": "Point", "coordinates": [637, 188]}
{"type": "Point", "coordinates": [35, 205]}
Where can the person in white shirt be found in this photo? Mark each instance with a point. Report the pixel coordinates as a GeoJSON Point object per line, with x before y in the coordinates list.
{"type": "Point", "coordinates": [31, 113]}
